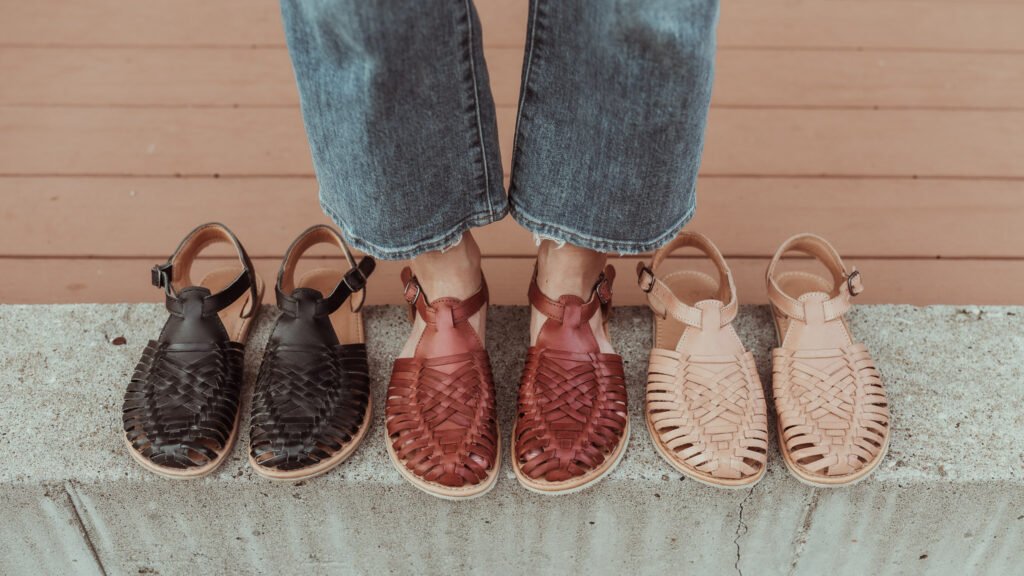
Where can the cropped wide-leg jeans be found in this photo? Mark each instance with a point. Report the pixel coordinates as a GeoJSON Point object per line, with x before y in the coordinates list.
{"type": "Point", "coordinates": [402, 127]}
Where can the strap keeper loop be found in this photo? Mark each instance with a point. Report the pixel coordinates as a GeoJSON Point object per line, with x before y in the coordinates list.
{"type": "Point", "coordinates": [412, 297]}
{"type": "Point", "coordinates": [604, 293]}
{"type": "Point", "coordinates": [160, 276]}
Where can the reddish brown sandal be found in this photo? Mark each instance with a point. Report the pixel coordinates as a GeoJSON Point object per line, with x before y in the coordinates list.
{"type": "Point", "coordinates": [441, 422]}
{"type": "Point", "coordinates": [572, 426]}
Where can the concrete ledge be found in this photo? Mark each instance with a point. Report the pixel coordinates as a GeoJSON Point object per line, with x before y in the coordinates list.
{"type": "Point", "coordinates": [948, 500]}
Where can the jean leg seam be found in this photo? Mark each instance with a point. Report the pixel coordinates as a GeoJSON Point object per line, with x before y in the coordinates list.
{"type": "Point", "coordinates": [476, 102]}
{"type": "Point", "coordinates": [526, 79]}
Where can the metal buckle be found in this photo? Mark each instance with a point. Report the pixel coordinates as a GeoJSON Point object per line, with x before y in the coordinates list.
{"type": "Point", "coordinates": [604, 295]}
{"type": "Point", "coordinates": [361, 282]}
{"type": "Point", "coordinates": [849, 283]}
{"type": "Point", "coordinates": [405, 291]}
{"type": "Point", "coordinates": [640, 278]}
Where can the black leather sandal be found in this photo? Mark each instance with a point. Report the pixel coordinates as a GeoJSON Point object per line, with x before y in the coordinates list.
{"type": "Point", "coordinates": [311, 407]}
{"type": "Point", "coordinates": [181, 408]}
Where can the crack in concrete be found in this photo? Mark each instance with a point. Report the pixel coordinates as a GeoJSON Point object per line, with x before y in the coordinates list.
{"type": "Point", "coordinates": [741, 529]}
{"type": "Point", "coordinates": [800, 538]}
{"type": "Point", "coordinates": [80, 524]}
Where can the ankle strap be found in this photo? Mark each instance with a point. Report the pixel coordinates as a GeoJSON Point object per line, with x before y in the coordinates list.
{"type": "Point", "coordinates": [178, 268]}
{"type": "Point", "coordinates": [600, 297]}
{"type": "Point", "coordinates": [847, 285]}
{"type": "Point", "coordinates": [664, 302]}
{"type": "Point", "coordinates": [353, 281]}
{"type": "Point", "coordinates": [461, 309]}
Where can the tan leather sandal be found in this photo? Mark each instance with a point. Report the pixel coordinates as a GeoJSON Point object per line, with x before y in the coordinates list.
{"type": "Point", "coordinates": [833, 415]}
{"type": "Point", "coordinates": [705, 408]}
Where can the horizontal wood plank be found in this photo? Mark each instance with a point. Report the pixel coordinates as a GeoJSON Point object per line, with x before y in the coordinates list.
{"type": "Point", "coordinates": [232, 77]}
{"type": "Point", "coordinates": [911, 143]}
{"type": "Point", "coordinates": [891, 281]}
{"type": "Point", "coordinates": [271, 142]}
{"type": "Point", "coordinates": [894, 24]}
{"type": "Point", "coordinates": [868, 79]}
{"type": "Point", "coordinates": [901, 24]}
{"type": "Point", "coordinates": [159, 77]}
{"type": "Point", "coordinates": [745, 216]}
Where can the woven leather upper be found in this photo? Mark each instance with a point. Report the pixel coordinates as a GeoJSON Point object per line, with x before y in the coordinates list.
{"type": "Point", "coordinates": [705, 404]}
{"type": "Point", "coordinates": [313, 392]}
{"type": "Point", "coordinates": [181, 403]}
{"type": "Point", "coordinates": [572, 398]}
{"type": "Point", "coordinates": [441, 418]}
{"type": "Point", "coordinates": [310, 398]}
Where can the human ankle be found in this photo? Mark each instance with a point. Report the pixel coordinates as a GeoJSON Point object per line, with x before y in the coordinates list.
{"type": "Point", "coordinates": [453, 273]}
{"type": "Point", "coordinates": [568, 270]}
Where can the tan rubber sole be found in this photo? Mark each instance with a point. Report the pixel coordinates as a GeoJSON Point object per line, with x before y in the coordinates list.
{"type": "Point", "coordinates": [667, 455]}
{"type": "Point", "coordinates": [574, 484]}
{"type": "Point", "coordinates": [825, 482]}
{"type": "Point", "coordinates": [323, 466]}
{"type": "Point", "coordinates": [439, 490]}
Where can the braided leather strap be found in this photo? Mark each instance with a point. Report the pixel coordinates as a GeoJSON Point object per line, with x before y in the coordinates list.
{"type": "Point", "coordinates": [441, 417]}
{"type": "Point", "coordinates": [832, 407]}
{"type": "Point", "coordinates": [572, 412]}
{"type": "Point", "coordinates": [182, 402]}
{"type": "Point", "coordinates": [309, 403]}
{"type": "Point", "coordinates": [709, 411]}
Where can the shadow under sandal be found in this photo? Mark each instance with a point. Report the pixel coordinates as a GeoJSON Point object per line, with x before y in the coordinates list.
{"type": "Point", "coordinates": [441, 422]}
{"type": "Point", "coordinates": [311, 406]}
{"type": "Point", "coordinates": [833, 415]}
{"type": "Point", "coordinates": [705, 405]}
{"type": "Point", "coordinates": [572, 426]}
{"type": "Point", "coordinates": [181, 407]}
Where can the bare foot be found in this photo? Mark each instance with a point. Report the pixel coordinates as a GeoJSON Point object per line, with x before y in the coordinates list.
{"type": "Point", "coordinates": [569, 270]}
{"type": "Point", "coordinates": [454, 273]}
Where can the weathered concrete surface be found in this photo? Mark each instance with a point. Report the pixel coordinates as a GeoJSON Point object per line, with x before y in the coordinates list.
{"type": "Point", "coordinates": [948, 500]}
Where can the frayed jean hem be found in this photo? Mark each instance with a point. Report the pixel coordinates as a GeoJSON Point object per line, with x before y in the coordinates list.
{"type": "Point", "coordinates": [440, 242]}
{"type": "Point", "coordinates": [558, 234]}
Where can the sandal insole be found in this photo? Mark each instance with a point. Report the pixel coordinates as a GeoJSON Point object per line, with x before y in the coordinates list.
{"type": "Point", "coordinates": [348, 325]}
{"type": "Point", "coordinates": [796, 285]}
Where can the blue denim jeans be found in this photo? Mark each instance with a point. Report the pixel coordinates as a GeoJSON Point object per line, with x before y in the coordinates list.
{"type": "Point", "coordinates": [401, 122]}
